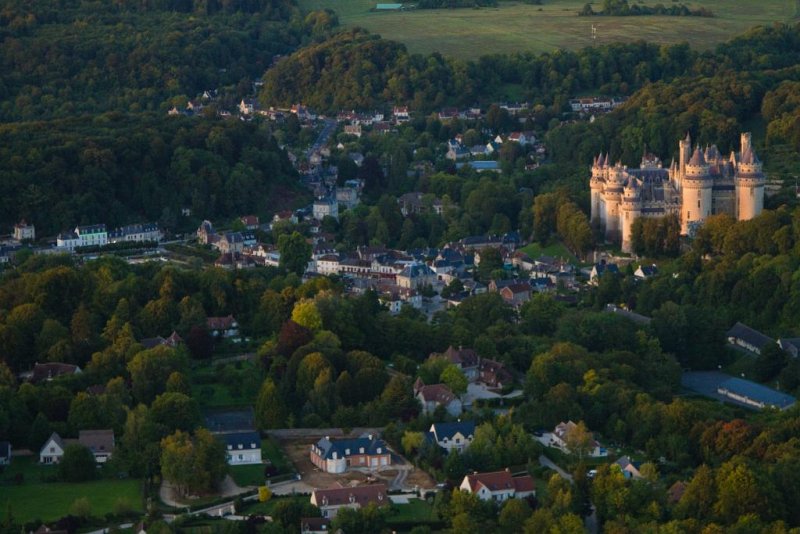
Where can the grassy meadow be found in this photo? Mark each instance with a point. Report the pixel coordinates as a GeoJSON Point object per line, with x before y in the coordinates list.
{"type": "Point", "coordinates": [518, 27]}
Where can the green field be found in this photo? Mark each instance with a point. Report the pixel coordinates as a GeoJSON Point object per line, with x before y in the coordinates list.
{"type": "Point", "coordinates": [556, 250]}
{"type": "Point", "coordinates": [52, 501]}
{"type": "Point", "coordinates": [518, 27]}
{"type": "Point", "coordinates": [416, 510]}
{"type": "Point", "coordinates": [35, 499]}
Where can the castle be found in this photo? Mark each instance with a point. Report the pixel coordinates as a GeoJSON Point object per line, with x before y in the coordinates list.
{"type": "Point", "coordinates": [699, 184]}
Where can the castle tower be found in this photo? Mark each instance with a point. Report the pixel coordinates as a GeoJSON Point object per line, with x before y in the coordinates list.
{"type": "Point", "coordinates": [696, 192]}
{"type": "Point", "coordinates": [630, 209]}
{"type": "Point", "coordinates": [613, 199]}
{"type": "Point", "coordinates": [750, 181]}
{"type": "Point", "coordinates": [597, 183]}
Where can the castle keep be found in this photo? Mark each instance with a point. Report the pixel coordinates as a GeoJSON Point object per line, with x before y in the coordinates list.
{"type": "Point", "coordinates": [699, 184]}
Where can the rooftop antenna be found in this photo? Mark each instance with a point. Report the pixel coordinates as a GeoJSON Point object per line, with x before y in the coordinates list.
{"type": "Point", "coordinates": [594, 32]}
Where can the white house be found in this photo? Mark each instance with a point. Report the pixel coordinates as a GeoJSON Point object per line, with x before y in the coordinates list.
{"type": "Point", "coordinates": [325, 207]}
{"type": "Point", "coordinates": [135, 232]}
{"type": "Point", "coordinates": [242, 448]}
{"type": "Point", "coordinates": [24, 231]}
{"type": "Point", "coordinates": [498, 486]}
{"type": "Point", "coordinates": [453, 436]}
{"type": "Point", "coordinates": [223, 326]}
{"type": "Point", "coordinates": [52, 450]}
{"type": "Point", "coordinates": [558, 439]}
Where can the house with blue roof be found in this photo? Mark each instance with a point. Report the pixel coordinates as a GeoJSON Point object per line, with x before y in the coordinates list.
{"type": "Point", "coordinates": [337, 456]}
{"type": "Point", "coordinates": [415, 276]}
{"type": "Point", "coordinates": [754, 395]}
{"type": "Point", "coordinates": [452, 436]}
{"type": "Point", "coordinates": [242, 448]}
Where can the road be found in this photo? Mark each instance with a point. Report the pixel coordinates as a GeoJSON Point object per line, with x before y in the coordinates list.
{"type": "Point", "coordinates": [322, 139]}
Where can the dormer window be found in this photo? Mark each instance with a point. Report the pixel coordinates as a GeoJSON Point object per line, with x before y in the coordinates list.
{"type": "Point", "coordinates": [347, 452]}
{"type": "Point", "coordinates": [241, 446]}
{"type": "Point", "coordinates": [361, 450]}
{"type": "Point", "coordinates": [252, 445]}
{"type": "Point", "coordinates": [230, 447]}
{"type": "Point", "coordinates": [379, 450]}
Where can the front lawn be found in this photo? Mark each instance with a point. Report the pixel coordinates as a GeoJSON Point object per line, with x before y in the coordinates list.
{"type": "Point", "coordinates": [51, 501]}
{"type": "Point", "coordinates": [248, 475]}
{"type": "Point", "coordinates": [416, 511]}
{"type": "Point", "coordinates": [266, 508]}
{"type": "Point", "coordinates": [555, 250]}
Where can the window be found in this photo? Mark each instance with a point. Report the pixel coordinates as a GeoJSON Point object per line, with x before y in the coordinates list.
{"type": "Point", "coordinates": [752, 192]}
{"type": "Point", "coordinates": [688, 214]}
{"type": "Point", "coordinates": [698, 203]}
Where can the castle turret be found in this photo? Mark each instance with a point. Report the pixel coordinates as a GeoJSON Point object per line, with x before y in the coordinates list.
{"type": "Point", "coordinates": [615, 180]}
{"type": "Point", "coordinates": [750, 181]}
{"type": "Point", "coordinates": [630, 209]}
{"type": "Point", "coordinates": [685, 147]}
{"type": "Point", "coordinates": [597, 183]}
{"type": "Point", "coordinates": [696, 192]}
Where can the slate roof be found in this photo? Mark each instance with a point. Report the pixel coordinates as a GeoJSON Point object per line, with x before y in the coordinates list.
{"type": "Point", "coordinates": [47, 371]}
{"type": "Point", "coordinates": [97, 441]}
{"type": "Point", "coordinates": [439, 431]}
{"type": "Point", "coordinates": [325, 447]}
{"type": "Point", "coordinates": [248, 440]}
{"type": "Point", "coordinates": [749, 335]}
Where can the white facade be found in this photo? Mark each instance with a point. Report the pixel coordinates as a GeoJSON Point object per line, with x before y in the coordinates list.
{"type": "Point", "coordinates": [52, 451]}
{"type": "Point", "coordinates": [325, 208]}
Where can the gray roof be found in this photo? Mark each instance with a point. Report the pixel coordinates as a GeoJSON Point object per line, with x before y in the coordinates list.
{"type": "Point", "coordinates": [347, 447]}
{"type": "Point", "coordinates": [247, 440]}
{"type": "Point", "coordinates": [449, 430]}
{"type": "Point", "coordinates": [749, 335]}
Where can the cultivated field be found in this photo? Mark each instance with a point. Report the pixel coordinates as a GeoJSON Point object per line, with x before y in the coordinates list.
{"type": "Point", "coordinates": [515, 26]}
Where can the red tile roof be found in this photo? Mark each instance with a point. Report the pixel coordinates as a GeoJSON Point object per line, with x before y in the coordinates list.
{"type": "Point", "coordinates": [500, 480]}
{"type": "Point", "coordinates": [361, 495]}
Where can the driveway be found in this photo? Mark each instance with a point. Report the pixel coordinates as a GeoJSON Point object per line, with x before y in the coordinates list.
{"type": "Point", "coordinates": [547, 462]}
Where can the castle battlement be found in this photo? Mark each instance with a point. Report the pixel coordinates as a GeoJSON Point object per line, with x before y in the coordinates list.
{"type": "Point", "coordinates": [701, 183]}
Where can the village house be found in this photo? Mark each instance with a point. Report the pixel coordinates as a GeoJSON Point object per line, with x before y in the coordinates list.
{"type": "Point", "coordinates": [558, 439]}
{"type": "Point", "coordinates": [241, 448]}
{"type": "Point", "coordinates": [347, 197]}
{"type": "Point", "coordinates": [315, 525]}
{"type": "Point", "coordinates": [466, 360]}
{"type": "Point", "coordinates": [790, 345]}
{"type": "Point", "coordinates": [353, 129]}
{"type": "Point", "coordinates": [516, 294]}
{"type": "Point", "coordinates": [287, 216]}
{"type": "Point", "coordinates": [493, 374]}
{"type": "Point", "coordinates": [325, 207]}
{"type": "Point", "coordinates": [400, 114]}
{"type": "Point", "coordinates": [250, 222]}
{"type": "Point", "coordinates": [601, 268]}
{"type": "Point", "coordinates": [741, 335]}
{"type": "Point", "coordinates": [416, 202]}
{"type": "Point", "coordinates": [337, 456]}
{"type": "Point", "coordinates": [435, 395]}
{"type": "Point", "coordinates": [45, 372]}
{"type": "Point", "coordinates": [522, 138]}
{"type": "Point", "coordinates": [330, 501]}
{"type": "Point", "coordinates": [456, 151]}
{"type": "Point", "coordinates": [24, 231]}
{"type": "Point", "coordinates": [452, 436]}
{"type": "Point", "coordinates": [628, 467]}
{"type": "Point", "coordinates": [643, 272]}
{"type": "Point", "coordinates": [206, 234]}
{"type": "Point", "coordinates": [498, 486]}
{"type": "Point", "coordinates": [173, 341]}
{"type": "Point", "coordinates": [83, 236]}
{"type": "Point", "coordinates": [223, 326]}
{"type": "Point", "coordinates": [99, 442]}
{"type": "Point", "coordinates": [416, 276]}
{"type": "Point", "coordinates": [135, 233]}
